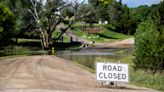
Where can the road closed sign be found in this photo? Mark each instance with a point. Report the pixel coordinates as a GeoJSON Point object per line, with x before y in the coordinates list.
{"type": "Point", "coordinates": [112, 72]}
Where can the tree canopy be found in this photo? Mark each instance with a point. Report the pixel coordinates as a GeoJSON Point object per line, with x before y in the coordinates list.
{"type": "Point", "coordinates": [6, 25]}
{"type": "Point", "coordinates": [149, 39]}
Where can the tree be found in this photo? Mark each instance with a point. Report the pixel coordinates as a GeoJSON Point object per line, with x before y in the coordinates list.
{"type": "Point", "coordinates": [140, 13]}
{"type": "Point", "coordinates": [6, 25]}
{"type": "Point", "coordinates": [100, 7]}
{"type": "Point", "coordinates": [127, 24]}
{"type": "Point", "coordinates": [87, 13]}
{"type": "Point", "coordinates": [149, 41]}
{"type": "Point", "coordinates": [114, 13]}
{"type": "Point", "coordinates": [23, 21]}
{"type": "Point", "coordinates": [47, 16]}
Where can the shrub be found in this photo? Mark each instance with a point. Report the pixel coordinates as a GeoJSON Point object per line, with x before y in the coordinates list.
{"type": "Point", "coordinates": [149, 48]}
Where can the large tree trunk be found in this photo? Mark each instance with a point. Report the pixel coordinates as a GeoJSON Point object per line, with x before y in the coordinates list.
{"type": "Point", "coordinates": [45, 40]}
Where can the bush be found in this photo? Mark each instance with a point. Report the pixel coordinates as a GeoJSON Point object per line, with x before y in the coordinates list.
{"type": "Point", "coordinates": [149, 48]}
{"type": "Point", "coordinates": [6, 25]}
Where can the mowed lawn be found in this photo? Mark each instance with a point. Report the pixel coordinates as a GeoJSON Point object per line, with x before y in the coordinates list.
{"type": "Point", "coordinates": [101, 37]}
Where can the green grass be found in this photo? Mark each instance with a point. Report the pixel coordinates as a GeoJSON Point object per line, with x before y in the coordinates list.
{"type": "Point", "coordinates": [57, 33]}
{"type": "Point", "coordinates": [139, 78]}
{"type": "Point", "coordinates": [113, 35]}
{"type": "Point", "coordinates": [146, 79]}
{"type": "Point", "coordinates": [66, 38]}
{"type": "Point", "coordinates": [101, 37]}
{"type": "Point", "coordinates": [20, 40]}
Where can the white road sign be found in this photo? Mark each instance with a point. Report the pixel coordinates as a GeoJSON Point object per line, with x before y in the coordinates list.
{"type": "Point", "coordinates": [112, 72]}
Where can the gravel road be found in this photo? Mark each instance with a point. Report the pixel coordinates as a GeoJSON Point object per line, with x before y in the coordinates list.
{"type": "Point", "coordinates": [52, 74]}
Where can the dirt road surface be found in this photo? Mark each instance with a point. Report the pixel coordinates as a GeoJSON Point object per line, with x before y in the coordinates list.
{"type": "Point", "coordinates": [126, 43]}
{"type": "Point", "coordinates": [52, 74]}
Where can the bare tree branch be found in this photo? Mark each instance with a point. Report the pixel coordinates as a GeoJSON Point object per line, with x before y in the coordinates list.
{"type": "Point", "coordinates": [32, 3]}
{"type": "Point", "coordinates": [29, 10]}
{"type": "Point", "coordinates": [64, 30]}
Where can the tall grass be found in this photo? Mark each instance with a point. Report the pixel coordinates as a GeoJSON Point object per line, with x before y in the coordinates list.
{"type": "Point", "coordinates": [146, 79]}
{"type": "Point", "coordinates": [139, 78]}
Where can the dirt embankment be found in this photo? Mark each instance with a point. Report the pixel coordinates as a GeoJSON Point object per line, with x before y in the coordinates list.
{"type": "Point", "coordinates": [51, 74]}
{"type": "Point", "coordinates": [126, 43]}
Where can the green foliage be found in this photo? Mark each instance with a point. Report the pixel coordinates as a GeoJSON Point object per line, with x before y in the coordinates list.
{"type": "Point", "coordinates": [69, 12]}
{"type": "Point", "coordinates": [141, 78]}
{"type": "Point", "coordinates": [109, 27]}
{"type": "Point", "coordinates": [149, 50]}
{"type": "Point", "coordinates": [140, 13]}
{"type": "Point", "coordinates": [149, 41]}
{"type": "Point", "coordinates": [89, 14]}
{"type": "Point", "coordinates": [115, 11]}
{"type": "Point", "coordinates": [120, 17]}
{"type": "Point", "coordinates": [6, 25]}
{"type": "Point", "coordinates": [105, 2]}
{"type": "Point", "coordinates": [126, 24]}
{"type": "Point", "coordinates": [24, 22]}
{"type": "Point", "coordinates": [101, 8]}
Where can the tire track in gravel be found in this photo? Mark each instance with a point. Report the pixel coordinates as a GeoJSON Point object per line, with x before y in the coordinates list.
{"type": "Point", "coordinates": [9, 70]}
{"type": "Point", "coordinates": [51, 74]}
{"type": "Point", "coordinates": [39, 76]}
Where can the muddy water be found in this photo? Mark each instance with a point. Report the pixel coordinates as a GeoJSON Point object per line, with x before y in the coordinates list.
{"type": "Point", "coordinates": [86, 57]}
{"type": "Point", "coordinates": [89, 57]}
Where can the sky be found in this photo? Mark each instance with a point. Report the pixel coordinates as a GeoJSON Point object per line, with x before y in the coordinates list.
{"type": "Point", "coordinates": [134, 3]}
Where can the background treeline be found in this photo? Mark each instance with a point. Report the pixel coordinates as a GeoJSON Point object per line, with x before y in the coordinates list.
{"type": "Point", "coordinates": [145, 22]}
{"type": "Point", "coordinates": [120, 17]}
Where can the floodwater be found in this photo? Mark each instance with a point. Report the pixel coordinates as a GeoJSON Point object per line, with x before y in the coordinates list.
{"type": "Point", "coordinates": [86, 57]}
{"type": "Point", "coordinates": [89, 57]}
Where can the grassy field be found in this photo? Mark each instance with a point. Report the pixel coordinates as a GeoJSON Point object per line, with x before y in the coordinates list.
{"type": "Point", "coordinates": [101, 37]}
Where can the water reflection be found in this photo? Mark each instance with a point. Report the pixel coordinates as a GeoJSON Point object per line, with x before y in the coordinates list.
{"type": "Point", "coordinates": [88, 57]}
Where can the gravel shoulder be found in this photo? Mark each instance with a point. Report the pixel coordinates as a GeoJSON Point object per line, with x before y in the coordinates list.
{"type": "Point", "coordinates": [52, 74]}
